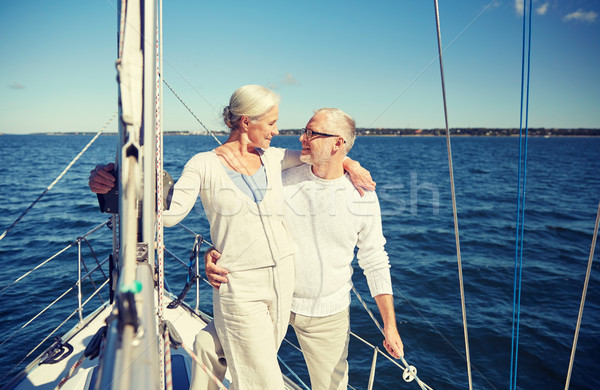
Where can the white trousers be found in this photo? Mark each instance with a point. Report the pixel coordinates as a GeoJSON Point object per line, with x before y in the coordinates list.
{"type": "Point", "coordinates": [251, 314]}
{"type": "Point", "coordinates": [324, 342]}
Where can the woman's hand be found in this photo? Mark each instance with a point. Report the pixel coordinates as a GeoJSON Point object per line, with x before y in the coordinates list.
{"type": "Point", "coordinates": [361, 178]}
{"type": "Point", "coordinates": [214, 273]}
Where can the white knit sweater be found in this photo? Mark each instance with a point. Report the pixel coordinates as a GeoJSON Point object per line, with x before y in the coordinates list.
{"type": "Point", "coordinates": [247, 234]}
{"type": "Point", "coordinates": [328, 219]}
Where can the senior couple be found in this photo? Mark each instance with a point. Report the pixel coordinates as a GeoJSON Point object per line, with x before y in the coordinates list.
{"type": "Point", "coordinates": [284, 225]}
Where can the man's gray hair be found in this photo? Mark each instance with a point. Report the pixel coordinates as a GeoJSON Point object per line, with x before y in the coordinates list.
{"type": "Point", "coordinates": [253, 101]}
{"type": "Point", "coordinates": [338, 122]}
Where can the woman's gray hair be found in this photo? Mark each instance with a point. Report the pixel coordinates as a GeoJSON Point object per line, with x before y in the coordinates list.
{"type": "Point", "coordinates": [253, 101]}
{"type": "Point", "coordinates": [338, 122]}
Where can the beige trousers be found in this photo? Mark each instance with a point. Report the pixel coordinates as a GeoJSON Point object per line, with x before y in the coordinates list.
{"type": "Point", "coordinates": [209, 350]}
{"type": "Point", "coordinates": [251, 314]}
{"type": "Point", "coordinates": [324, 342]}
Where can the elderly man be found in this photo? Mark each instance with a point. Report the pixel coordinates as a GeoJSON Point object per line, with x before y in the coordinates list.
{"type": "Point", "coordinates": [328, 218]}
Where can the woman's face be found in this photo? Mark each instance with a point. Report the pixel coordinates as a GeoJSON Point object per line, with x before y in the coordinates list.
{"type": "Point", "coordinates": [261, 131]}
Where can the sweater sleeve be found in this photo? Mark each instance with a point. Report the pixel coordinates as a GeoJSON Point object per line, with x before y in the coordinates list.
{"type": "Point", "coordinates": [291, 158]}
{"type": "Point", "coordinates": [185, 193]}
{"type": "Point", "coordinates": [372, 257]}
{"type": "Point", "coordinates": [285, 157]}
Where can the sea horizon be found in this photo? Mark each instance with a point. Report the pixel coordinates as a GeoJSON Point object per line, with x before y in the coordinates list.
{"type": "Point", "coordinates": [398, 132]}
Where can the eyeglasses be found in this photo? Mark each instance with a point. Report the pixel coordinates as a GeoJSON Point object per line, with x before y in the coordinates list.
{"type": "Point", "coordinates": [310, 134]}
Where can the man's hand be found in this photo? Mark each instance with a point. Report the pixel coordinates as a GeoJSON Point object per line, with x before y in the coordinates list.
{"type": "Point", "coordinates": [214, 273]}
{"type": "Point", "coordinates": [361, 178]}
{"type": "Point", "coordinates": [393, 343]}
{"type": "Point", "coordinates": [101, 181]}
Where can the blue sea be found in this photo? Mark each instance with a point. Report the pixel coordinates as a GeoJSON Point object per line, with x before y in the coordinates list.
{"type": "Point", "coordinates": [412, 175]}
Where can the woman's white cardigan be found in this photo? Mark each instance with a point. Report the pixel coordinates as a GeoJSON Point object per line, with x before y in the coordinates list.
{"type": "Point", "coordinates": [248, 235]}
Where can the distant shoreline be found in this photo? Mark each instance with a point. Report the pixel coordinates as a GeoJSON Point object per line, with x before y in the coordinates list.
{"type": "Point", "coordinates": [455, 132]}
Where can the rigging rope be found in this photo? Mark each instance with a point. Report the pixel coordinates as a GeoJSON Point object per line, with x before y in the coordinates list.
{"type": "Point", "coordinates": [38, 266]}
{"type": "Point", "coordinates": [410, 372]}
{"type": "Point", "coordinates": [164, 344]}
{"type": "Point", "coordinates": [52, 333]}
{"type": "Point", "coordinates": [159, 171]}
{"type": "Point", "coordinates": [520, 223]}
{"type": "Point", "coordinates": [58, 178]}
{"type": "Point", "coordinates": [204, 368]}
{"type": "Point", "coordinates": [168, 369]}
{"type": "Point", "coordinates": [91, 351]}
{"type": "Point", "coordinates": [583, 295]}
{"type": "Point", "coordinates": [191, 112]}
{"type": "Point", "coordinates": [368, 310]}
{"type": "Point", "coordinates": [49, 259]}
{"type": "Point", "coordinates": [48, 307]}
{"type": "Point", "coordinates": [452, 190]}
{"type": "Point", "coordinates": [70, 373]}
{"type": "Point", "coordinates": [449, 45]}
{"type": "Point", "coordinates": [37, 315]}
{"type": "Point", "coordinates": [293, 373]}
{"type": "Point", "coordinates": [396, 291]}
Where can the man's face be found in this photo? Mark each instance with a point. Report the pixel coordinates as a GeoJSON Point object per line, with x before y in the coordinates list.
{"type": "Point", "coordinates": [318, 148]}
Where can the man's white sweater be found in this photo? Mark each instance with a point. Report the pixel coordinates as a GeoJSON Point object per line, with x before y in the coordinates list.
{"type": "Point", "coordinates": [328, 219]}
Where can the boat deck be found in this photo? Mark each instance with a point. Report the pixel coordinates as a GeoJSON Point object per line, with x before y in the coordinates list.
{"type": "Point", "coordinates": [48, 376]}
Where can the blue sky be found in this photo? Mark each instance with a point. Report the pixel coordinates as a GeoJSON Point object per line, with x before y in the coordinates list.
{"type": "Point", "coordinates": [375, 60]}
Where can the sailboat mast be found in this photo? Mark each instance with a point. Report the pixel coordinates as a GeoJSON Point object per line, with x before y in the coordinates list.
{"type": "Point", "coordinates": [131, 357]}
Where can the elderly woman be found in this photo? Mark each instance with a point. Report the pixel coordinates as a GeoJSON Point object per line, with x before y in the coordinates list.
{"type": "Point", "coordinates": [240, 187]}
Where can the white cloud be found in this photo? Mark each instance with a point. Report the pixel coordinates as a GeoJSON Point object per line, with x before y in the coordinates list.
{"type": "Point", "coordinates": [581, 16]}
{"type": "Point", "coordinates": [16, 85]}
{"type": "Point", "coordinates": [542, 9]}
{"type": "Point", "coordinates": [519, 6]}
{"type": "Point", "coordinates": [289, 80]}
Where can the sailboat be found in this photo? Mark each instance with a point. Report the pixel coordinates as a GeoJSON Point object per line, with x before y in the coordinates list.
{"type": "Point", "coordinates": [122, 343]}
{"type": "Point", "coordinates": [142, 336]}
